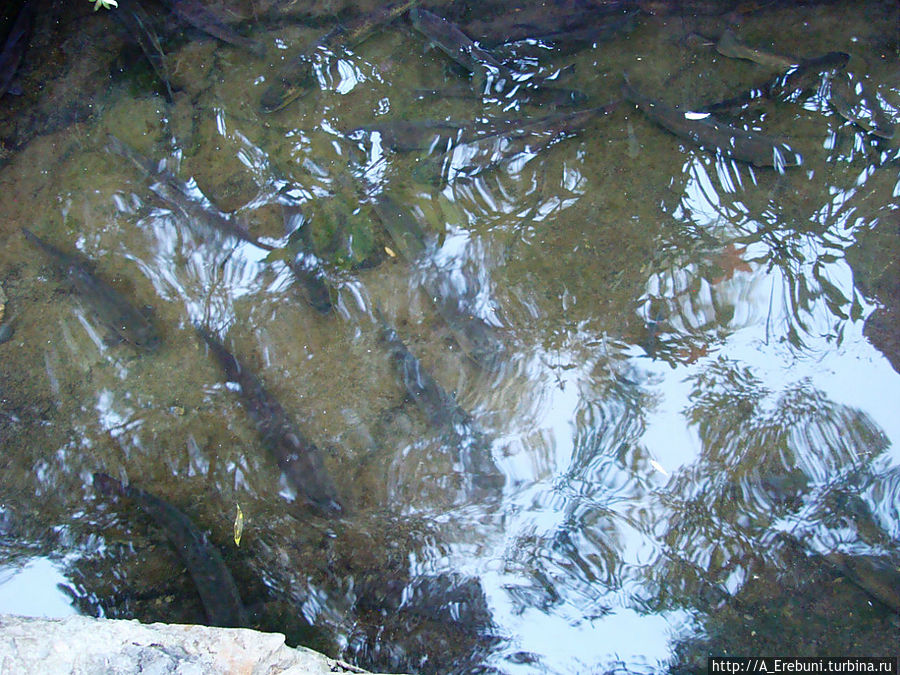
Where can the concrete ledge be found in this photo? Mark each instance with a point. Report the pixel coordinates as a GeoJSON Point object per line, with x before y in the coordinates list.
{"type": "Point", "coordinates": [80, 644]}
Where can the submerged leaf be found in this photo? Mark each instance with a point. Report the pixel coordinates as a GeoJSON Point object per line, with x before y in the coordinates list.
{"type": "Point", "coordinates": [238, 525]}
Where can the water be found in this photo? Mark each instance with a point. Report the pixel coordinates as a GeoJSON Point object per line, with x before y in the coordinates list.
{"type": "Point", "coordinates": [687, 388]}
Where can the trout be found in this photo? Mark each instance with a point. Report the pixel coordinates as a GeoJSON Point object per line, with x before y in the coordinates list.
{"type": "Point", "coordinates": [110, 306]}
{"type": "Point", "coordinates": [299, 459]}
{"type": "Point", "coordinates": [214, 582]}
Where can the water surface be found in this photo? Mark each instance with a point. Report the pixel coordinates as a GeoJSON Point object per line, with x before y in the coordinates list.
{"type": "Point", "coordinates": [689, 389]}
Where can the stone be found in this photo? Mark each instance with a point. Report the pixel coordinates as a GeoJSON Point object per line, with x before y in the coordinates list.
{"type": "Point", "coordinates": [81, 645]}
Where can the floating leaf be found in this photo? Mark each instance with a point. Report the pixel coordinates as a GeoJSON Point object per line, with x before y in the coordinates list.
{"type": "Point", "coordinates": [238, 525]}
{"type": "Point", "coordinates": [388, 250]}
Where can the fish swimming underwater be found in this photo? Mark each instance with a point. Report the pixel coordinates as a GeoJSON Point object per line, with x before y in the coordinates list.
{"type": "Point", "coordinates": [296, 456]}
{"type": "Point", "coordinates": [176, 193]}
{"type": "Point", "coordinates": [296, 77]}
{"type": "Point", "coordinates": [213, 580]}
{"type": "Point", "coordinates": [745, 146]}
{"type": "Point", "coordinates": [110, 306]}
{"type": "Point", "coordinates": [471, 448]}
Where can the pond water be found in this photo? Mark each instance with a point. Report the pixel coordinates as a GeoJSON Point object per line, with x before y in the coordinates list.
{"type": "Point", "coordinates": [657, 385]}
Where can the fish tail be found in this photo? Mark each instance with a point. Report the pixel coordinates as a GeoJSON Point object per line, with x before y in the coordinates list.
{"type": "Point", "coordinates": [108, 485]}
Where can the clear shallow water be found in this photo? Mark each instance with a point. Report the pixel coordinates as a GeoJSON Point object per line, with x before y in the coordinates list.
{"type": "Point", "coordinates": [682, 371]}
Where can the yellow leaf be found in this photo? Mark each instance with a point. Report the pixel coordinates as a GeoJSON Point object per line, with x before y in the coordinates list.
{"type": "Point", "coordinates": [238, 525]}
{"type": "Point", "coordinates": [390, 252]}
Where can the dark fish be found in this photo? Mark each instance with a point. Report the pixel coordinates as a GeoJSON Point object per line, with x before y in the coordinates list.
{"type": "Point", "coordinates": [745, 146]}
{"type": "Point", "coordinates": [438, 407]}
{"type": "Point", "coordinates": [404, 230]}
{"type": "Point", "coordinates": [139, 25]}
{"type": "Point", "coordinates": [109, 305]}
{"type": "Point", "coordinates": [354, 32]}
{"type": "Point", "coordinates": [214, 582]}
{"type": "Point", "coordinates": [553, 126]}
{"type": "Point", "coordinates": [296, 456]}
{"type": "Point", "coordinates": [15, 46]}
{"type": "Point", "coordinates": [561, 22]}
{"type": "Point", "coordinates": [543, 96]}
{"type": "Point", "coordinates": [310, 277]}
{"type": "Point", "coordinates": [798, 78]}
{"type": "Point", "coordinates": [477, 338]}
{"type": "Point", "coordinates": [521, 136]}
{"type": "Point", "coordinates": [407, 135]}
{"type": "Point", "coordinates": [471, 447]}
{"type": "Point", "coordinates": [728, 45]}
{"type": "Point", "coordinates": [456, 44]}
{"type": "Point", "coordinates": [575, 35]}
{"type": "Point", "coordinates": [877, 576]}
{"type": "Point", "coordinates": [857, 104]}
{"type": "Point", "coordinates": [176, 193]}
{"type": "Point", "coordinates": [199, 16]}
{"type": "Point", "coordinates": [296, 78]}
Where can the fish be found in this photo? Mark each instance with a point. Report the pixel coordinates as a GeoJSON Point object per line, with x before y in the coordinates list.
{"type": "Point", "coordinates": [296, 77]}
{"type": "Point", "coordinates": [310, 277]}
{"type": "Point", "coordinates": [456, 44]}
{"type": "Point", "coordinates": [411, 135]}
{"type": "Point", "coordinates": [15, 45]}
{"type": "Point", "coordinates": [530, 21]}
{"type": "Point", "coordinates": [745, 146]}
{"type": "Point", "coordinates": [176, 193]}
{"type": "Point", "coordinates": [355, 31]}
{"type": "Point", "coordinates": [878, 576]}
{"type": "Point", "coordinates": [215, 585]}
{"type": "Point", "coordinates": [855, 103]}
{"type": "Point", "coordinates": [798, 78]}
{"type": "Point", "coordinates": [438, 407]}
{"type": "Point", "coordinates": [110, 306]}
{"type": "Point", "coordinates": [531, 135]}
{"type": "Point", "coordinates": [299, 459]}
{"type": "Point", "coordinates": [442, 411]}
{"type": "Point", "coordinates": [312, 281]}
{"type": "Point", "coordinates": [574, 36]}
{"type": "Point", "coordinates": [555, 125]}
{"type": "Point", "coordinates": [477, 338]}
{"type": "Point", "coordinates": [404, 230]}
{"type": "Point", "coordinates": [199, 16]}
{"type": "Point", "coordinates": [728, 45]}
{"type": "Point", "coordinates": [139, 25]}
{"type": "Point", "coordinates": [558, 97]}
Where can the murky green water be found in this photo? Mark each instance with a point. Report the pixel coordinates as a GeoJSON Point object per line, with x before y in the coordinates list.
{"type": "Point", "coordinates": [687, 385]}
